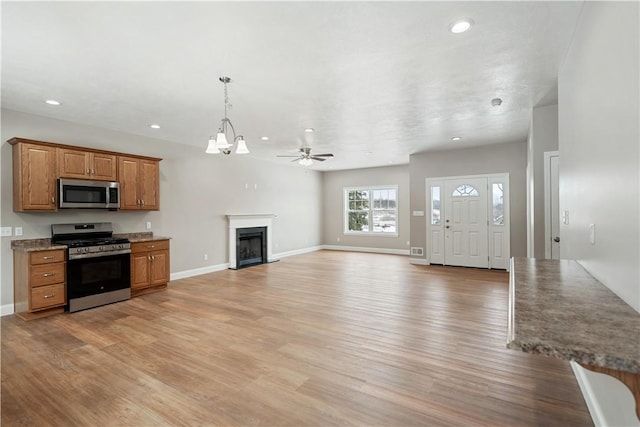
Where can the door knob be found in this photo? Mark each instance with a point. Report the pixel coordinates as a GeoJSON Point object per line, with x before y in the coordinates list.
{"type": "Point", "coordinates": [556, 239]}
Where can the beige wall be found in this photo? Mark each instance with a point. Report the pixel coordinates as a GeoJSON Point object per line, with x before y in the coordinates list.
{"type": "Point", "coordinates": [543, 137]}
{"type": "Point", "coordinates": [510, 158]}
{"type": "Point", "coordinates": [196, 191]}
{"type": "Point", "coordinates": [333, 213]}
{"type": "Point", "coordinates": [598, 89]}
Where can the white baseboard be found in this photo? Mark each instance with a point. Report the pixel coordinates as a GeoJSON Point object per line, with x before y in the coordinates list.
{"type": "Point", "coordinates": [6, 309]}
{"type": "Point", "coordinates": [296, 252]}
{"type": "Point", "coordinates": [199, 271]}
{"type": "Point", "coordinates": [365, 249]}
{"type": "Point", "coordinates": [418, 261]}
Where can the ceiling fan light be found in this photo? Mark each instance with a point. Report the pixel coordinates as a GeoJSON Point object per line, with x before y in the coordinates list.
{"type": "Point", "coordinates": [242, 147]}
{"type": "Point", "coordinates": [211, 147]}
{"type": "Point", "coordinates": [221, 141]}
{"type": "Point", "coordinates": [306, 162]}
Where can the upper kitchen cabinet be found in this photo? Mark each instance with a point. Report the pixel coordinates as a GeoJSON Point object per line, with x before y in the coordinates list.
{"type": "Point", "coordinates": [34, 177]}
{"type": "Point", "coordinates": [90, 165]}
{"type": "Point", "coordinates": [139, 183]}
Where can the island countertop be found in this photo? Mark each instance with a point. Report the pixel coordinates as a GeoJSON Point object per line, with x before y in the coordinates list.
{"type": "Point", "coordinates": [556, 308]}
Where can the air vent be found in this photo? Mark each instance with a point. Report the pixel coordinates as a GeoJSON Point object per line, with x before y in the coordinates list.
{"type": "Point", "coordinates": [417, 251]}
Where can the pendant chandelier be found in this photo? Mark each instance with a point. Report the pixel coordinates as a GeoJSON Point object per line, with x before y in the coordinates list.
{"type": "Point", "coordinates": [221, 144]}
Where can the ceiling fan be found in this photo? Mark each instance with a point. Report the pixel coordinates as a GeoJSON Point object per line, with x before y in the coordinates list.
{"type": "Point", "coordinates": [305, 158]}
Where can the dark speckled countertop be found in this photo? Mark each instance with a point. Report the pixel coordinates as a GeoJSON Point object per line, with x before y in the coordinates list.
{"type": "Point", "coordinates": [32, 245]}
{"type": "Point", "coordinates": [556, 308]}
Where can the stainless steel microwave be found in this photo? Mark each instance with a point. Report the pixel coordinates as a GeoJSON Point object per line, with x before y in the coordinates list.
{"type": "Point", "coordinates": [80, 193]}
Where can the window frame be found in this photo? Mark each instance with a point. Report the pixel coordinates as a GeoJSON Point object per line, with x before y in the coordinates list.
{"type": "Point", "coordinates": [371, 209]}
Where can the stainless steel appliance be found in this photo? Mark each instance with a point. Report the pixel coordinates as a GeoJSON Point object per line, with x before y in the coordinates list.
{"type": "Point", "coordinates": [83, 194]}
{"type": "Point", "coordinates": [98, 265]}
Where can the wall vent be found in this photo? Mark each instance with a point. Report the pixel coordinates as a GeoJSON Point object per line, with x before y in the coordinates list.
{"type": "Point", "coordinates": [417, 251]}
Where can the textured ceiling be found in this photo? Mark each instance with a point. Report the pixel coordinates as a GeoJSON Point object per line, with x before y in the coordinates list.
{"type": "Point", "coordinates": [378, 81]}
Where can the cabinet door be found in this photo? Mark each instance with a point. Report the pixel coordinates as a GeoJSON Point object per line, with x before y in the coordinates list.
{"type": "Point", "coordinates": [159, 267]}
{"type": "Point", "coordinates": [128, 174]}
{"type": "Point", "coordinates": [73, 163]}
{"type": "Point", "coordinates": [149, 184]}
{"type": "Point", "coordinates": [140, 270]}
{"type": "Point", "coordinates": [34, 181]}
{"type": "Point", "coordinates": [103, 167]}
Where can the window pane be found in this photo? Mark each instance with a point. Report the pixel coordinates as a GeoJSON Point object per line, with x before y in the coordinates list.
{"type": "Point", "coordinates": [384, 221]}
{"type": "Point", "coordinates": [352, 205]}
{"type": "Point", "coordinates": [465, 190]}
{"type": "Point", "coordinates": [498, 204]}
{"type": "Point", "coordinates": [435, 205]}
{"type": "Point", "coordinates": [358, 221]}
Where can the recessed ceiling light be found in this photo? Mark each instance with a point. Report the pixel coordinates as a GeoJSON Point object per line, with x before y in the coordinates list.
{"type": "Point", "coordinates": [496, 102]}
{"type": "Point", "coordinates": [265, 138]}
{"type": "Point", "coordinates": [369, 153]}
{"type": "Point", "coordinates": [456, 138]}
{"type": "Point", "coordinates": [52, 102]}
{"type": "Point", "coordinates": [461, 25]}
{"type": "Point", "coordinates": [154, 126]}
{"type": "Point", "coordinates": [309, 130]}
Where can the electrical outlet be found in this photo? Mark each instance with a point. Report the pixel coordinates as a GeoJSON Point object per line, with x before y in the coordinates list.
{"type": "Point", "coordinates": [148, 225]}
{"type": "Point", "coordinates": [206, 257]}
{"type": "Point", "coordinates": [5, 231]}
{"type": "Point", "coordinates": [338, 239]}
{"type": "Point", "coordinates": [592, 234]}
{"type": "Point", "coordinates": [18, 231]}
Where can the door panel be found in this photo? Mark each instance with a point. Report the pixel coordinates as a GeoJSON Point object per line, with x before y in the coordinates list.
{"type": "Point", "coordinates": [465, 213]}
{"type": "Point", "coordinates": [555, 207]}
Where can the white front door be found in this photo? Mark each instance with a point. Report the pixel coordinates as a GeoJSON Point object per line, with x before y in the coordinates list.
{"type": "Point", "coordinates": [465, 222]}
{"type": "Point", "coordinates": [468, 221]}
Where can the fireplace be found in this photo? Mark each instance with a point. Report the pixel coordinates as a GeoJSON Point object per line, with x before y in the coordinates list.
{"type": "Point", "coordinates": [251, 246]}
{"type": "Point", "coordinates": [250, 221]}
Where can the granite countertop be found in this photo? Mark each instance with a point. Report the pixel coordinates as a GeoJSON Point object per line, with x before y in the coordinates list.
{"type": "Point", "coordinates": [33, 245]}
{"type": "Point", "coordinates": [145, 236]}
{"type": "Point", "coordinates": [556, 308]}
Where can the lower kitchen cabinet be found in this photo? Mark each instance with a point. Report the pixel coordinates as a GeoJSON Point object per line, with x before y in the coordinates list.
{"type": "Point", "coordinates": [39, 285]}
{"type": "Point", "coordinates": [150, 269]}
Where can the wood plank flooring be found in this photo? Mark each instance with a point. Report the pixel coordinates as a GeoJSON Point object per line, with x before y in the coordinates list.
{"type": "Point", "coordinates": [321, 339]}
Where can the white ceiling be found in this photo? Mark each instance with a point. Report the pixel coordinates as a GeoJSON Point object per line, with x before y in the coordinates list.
{"type": "Point", "coordinates": [378, 81]}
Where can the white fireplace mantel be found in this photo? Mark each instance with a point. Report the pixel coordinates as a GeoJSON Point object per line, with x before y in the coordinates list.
{"type": "Point", "coordinates": [248, 221]}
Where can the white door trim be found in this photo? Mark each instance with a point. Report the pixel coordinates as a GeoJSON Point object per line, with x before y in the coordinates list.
{"type": "Point", "coordinates": [491, 178]}
{"type": "Point", "coordinates": [547, 201]}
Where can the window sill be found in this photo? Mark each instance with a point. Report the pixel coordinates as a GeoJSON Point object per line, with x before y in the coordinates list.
{"type": "Point", "coordinates": [369, 234]}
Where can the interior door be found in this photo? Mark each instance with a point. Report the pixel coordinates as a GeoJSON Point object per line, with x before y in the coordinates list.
{"type": "Point", "coordinates": [465, 222]}
{"type": "Point", "coordinates": [554, 205]}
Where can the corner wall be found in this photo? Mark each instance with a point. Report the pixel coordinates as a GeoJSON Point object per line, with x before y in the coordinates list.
{"type": "Point", "coordinates": [333, 209]}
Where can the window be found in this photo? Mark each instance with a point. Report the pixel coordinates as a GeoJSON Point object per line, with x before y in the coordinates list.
{"type": "Point", "coordinates": [498, 204]}
{"type": "Point", "coordinates": [371, 210]}
{"type": "Point", "coordinates": [465, 190]}
{"type": "Point", "coordinates": [435, 205]}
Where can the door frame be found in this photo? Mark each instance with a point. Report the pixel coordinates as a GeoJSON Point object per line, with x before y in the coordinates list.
{"type": "Point", "coordinates": [547, 201]}
{"type": "Point", "coordinates": [491, 179]}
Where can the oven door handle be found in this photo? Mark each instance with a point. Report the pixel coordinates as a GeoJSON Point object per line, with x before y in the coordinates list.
{"type": "Point", "coordinates": [99, 254]}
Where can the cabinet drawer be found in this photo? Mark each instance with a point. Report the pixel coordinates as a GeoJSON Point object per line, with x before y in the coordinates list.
{"type": "Point", "coordinates": [46, 257]}
{"type": "Point", "coordinates": [155, 245]}
{"type": "Point", "coordinates": [47, 274]}
{"type": "Point", "coordinates": [47, 296]}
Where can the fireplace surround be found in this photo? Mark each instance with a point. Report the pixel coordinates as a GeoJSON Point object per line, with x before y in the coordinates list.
{"type": "Point", "coordinates": [249, 221]}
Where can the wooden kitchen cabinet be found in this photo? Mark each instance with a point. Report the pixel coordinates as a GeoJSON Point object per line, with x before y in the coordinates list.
{"type": "Point", "coordinates": [89, 165]}
{"type": "Point", "coordinates": [150, 266]}
{"type": "Point", "coordinates": [39, 283]}
{"type": "Point", "coordinates": [139, 183]}
{"type": "Point", "coordinates": [34, 177]}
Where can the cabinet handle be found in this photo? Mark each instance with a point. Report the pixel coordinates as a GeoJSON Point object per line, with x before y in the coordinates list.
{"type": "Point", "coordinates": [53, 200]}
{"type": "Point", "coordinates": [93, 171]}
{"type": "Point", "coordinates": [48, 274]}
{"type": "Point", "coordinates": [149, 257]}
{"type": "Point", "coordinates": [151, 246]}
{"type": "Point", "coordinates": [88, 171]}
{"type": "Point", "coordinates": [49, 296]}
{"type": "Point", "coordinates": [142, 202]}
{"type": "Point", "coordinates": [48, 257]}
{"type": "Point", "coordinates": [153, 257]}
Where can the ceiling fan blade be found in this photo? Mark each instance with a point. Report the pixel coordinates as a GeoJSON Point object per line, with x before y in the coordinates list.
{"type": "Point", "coordinates": [320, 159]}
{"type": "Point", "coordinates": [289, 156]}
{"type": "Point", "coordinates": [296, 160]}
{"type": "Point", "coordinates": [324, 155]}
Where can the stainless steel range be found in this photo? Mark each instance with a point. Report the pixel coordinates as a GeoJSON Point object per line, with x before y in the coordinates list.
{"type": "Point", "coordinates": [98, 264]}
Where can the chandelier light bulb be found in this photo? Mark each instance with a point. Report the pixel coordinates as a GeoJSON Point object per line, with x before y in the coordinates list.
{"type": "Point", "coordinates": [242, 147]}
{"type": "Point", "coordinates": [211, 148]}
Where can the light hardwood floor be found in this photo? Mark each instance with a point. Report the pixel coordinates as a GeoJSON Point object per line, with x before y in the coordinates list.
{"type": "Point", "coordinates": [325, 338]}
